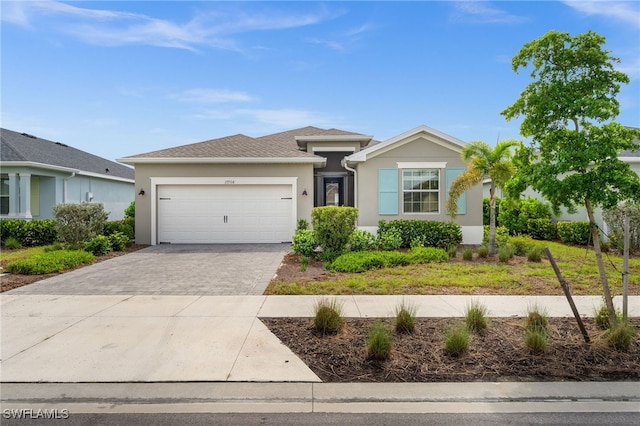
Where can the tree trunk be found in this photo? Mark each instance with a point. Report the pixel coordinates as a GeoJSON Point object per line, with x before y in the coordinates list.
{"type": "Point", "coordinates": [492, 220]}
{"type": "Point", "coordinates": [603, 274]}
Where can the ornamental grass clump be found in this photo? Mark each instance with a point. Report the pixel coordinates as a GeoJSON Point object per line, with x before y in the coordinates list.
{"type": "Point", "coordinates": [536, 340]}
{"type": "Point", "coordinates": [535, 254]}
{"type": "Point", "coordinates": [328, 316]}
{"type": "Point", "coordinates": [456, 341]}
{"type": "Point", "coordinates": [467, 254]}
{"type": "Point", "coordinates": [476, 317]}
{"type": "Point", "coordinates": [483, 252]}
{"type": "Point", "coordinates": [379, 343]}
{"type": "Point", "coordinates": [536, 318]}
{"type": "Point", "coordinates": [620, 336]}
{"type": "Point", "coordinates": [405, 318]}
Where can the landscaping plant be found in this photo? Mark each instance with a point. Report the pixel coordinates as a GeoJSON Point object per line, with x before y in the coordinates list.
{"type": "Point", "coordinates": [405, 318]}
{"type": "Point", "coordinates": [476, 317]}
{"type": "Point", "coordinates": [456, 340]}
{"type": "Point", "coordinates": [467, 253]}
{"type": "Point", "coordinates": [620, 335]}
{"type": "Point", "coordinates": [379, 342]}
{"type": "Point", "coordinates": [77, 223]}
{"type": "Point", "coordinates": [333, 226]}
{"type": "Point", "coordinates": [328, 316]}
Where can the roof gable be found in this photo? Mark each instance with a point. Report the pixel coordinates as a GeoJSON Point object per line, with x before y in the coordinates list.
{"type": "Point", "coordinates": [24, 148]}
{"type": "Point", "coordinates": [432, 135]}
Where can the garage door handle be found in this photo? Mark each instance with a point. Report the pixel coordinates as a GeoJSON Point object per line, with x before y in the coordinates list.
{"type": "Point", "coordinates": [286, 198]}
{"type": "Point", "coordinates": [164, 198]}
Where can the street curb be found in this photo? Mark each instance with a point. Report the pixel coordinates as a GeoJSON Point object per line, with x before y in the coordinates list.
{"type": "Point", "coordinates": [236, 397]}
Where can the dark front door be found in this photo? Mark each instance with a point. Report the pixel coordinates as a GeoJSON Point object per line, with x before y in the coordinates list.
{"type": "Point", "coordinates": [333, 191]}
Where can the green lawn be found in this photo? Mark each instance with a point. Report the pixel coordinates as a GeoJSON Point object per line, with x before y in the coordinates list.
{"type": "Point", "coordinates": [7, 256]}
{"type": "Point", "coordinates": [518, 277]}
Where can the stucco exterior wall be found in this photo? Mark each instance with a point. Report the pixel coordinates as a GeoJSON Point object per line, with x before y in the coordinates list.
{"type": "Point", "coordinates": [418, 150]}
{"type": "Point", "coordinates": [144, 173]}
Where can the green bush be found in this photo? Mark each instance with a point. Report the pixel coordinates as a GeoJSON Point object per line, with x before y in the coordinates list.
{"type": "Point", "coordinates": [405, 318]}
{"type": "Point", "coordinates": [456, 341]}
{"type": "Point", "coordinates": [515, 214]}
{"type": "Point", "coordinates": [77, 223]}
{"type": "Point", "coordinates": [620, 336]}
{"type": "Point", "coordinates": [542, 229]}
{"type": "Point", "coordinates": [536, 340]}
{"type": "Point", "coordinates": [521, 244]}
{"type": "Point", "coordinates": [483, 252]}
{"type": "Point", "coordinates": [355, 262]}
{"type": "Point", "coordinates": [578, 233]}
{"type": "Point", "coordinates": [535, 254]}
{"type": "Point", "coordinates": [361, 240]}
{"type": "Point", "coordinates": [505, 253]}
{"type": "Point", "coordinates": [328, 316]}
{"type": "Point", "coordinates": [124, 226]}
{"type": "Point", "coordinates": [502, 236]}
{"type": "Point", "coordinates": [50, 262]}
{"type": "Point", "coordinates": [486, 211]}
{"type": "Point", "coordinates": [98, 245]}
{"type": "Point", "coordinates": [11, 243]}
{"type": "Point", "coordinates": [467, 253]}
{"type": "Point", "coordinates": [118, 241]}
{"type": "Point", "coordinates": [390, 239]}
{"type": "Point", "coordinates": [379, 342]}
{"type": "Point", "coordinates": [615, 218]}
{"type": "Point", "coordinates": [304, 242]}
{"type": "Point", "coordinates": [476, 317]}
{"type": "Point", "coordinates": [434, 233]}
{"type": "Point", "coordinates": [36, 232]}
{"type": "Point", "coordinates": [130, 211]}
{"type": "Point", "coordinates": [427, 255]}
{"type": "Point", "coordinates": [333, 226]}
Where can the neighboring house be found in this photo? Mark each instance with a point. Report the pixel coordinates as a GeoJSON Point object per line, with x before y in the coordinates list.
{"type": "Point", "coordinates": [36, 174]}
{"type": "Point", "coordinates": [241, 189]}
{"type": "Point", "coordinates": [630, 157]}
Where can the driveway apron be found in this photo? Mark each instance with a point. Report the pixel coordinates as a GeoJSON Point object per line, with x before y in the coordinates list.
{"type": "Point", "coordinates": [173, 269]}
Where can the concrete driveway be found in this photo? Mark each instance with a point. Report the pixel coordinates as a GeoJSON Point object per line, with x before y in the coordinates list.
{"type": "Point", "coordinates": [173, 269]}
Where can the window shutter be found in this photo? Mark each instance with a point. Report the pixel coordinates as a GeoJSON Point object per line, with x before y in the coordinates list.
{"type": "Point", "coordinates": [387, 191]}
{"type": "Point", "coordinates": [451, 174]}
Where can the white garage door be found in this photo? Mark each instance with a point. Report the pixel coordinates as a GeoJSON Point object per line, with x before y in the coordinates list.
{"type": "Point", "coordinates": [192, 214]}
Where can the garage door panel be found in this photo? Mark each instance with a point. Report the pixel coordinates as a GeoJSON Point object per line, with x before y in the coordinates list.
{"type": "Point", "coordinates": [224, 213]}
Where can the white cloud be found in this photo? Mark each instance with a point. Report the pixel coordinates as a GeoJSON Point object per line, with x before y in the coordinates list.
{"type": "Point", "coordinates": [482, 13]}
{"type": "Point", "coordinates": [624, 11]}
{"type": "Point", "coordinates": [344, 41]}
{"type": "Point", "coordinates": [273, 119]}
{"type": "Point", "coordinates": [212, 96]}
{"type": "Point", "coordinates": [115, 28]}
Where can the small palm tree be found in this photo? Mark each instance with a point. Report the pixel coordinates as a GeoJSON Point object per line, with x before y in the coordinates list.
{"type": "Point", "coordinates": [483, 162]}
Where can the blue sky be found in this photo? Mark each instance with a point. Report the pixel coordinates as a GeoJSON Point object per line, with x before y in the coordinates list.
{"type": "Point", "coordinates": [123, 78]}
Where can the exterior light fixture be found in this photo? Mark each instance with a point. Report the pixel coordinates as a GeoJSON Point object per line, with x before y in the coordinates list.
{"type": "Point", "coordinates": [141, 192]}
{"type": "Point", "coordinates": [304, 192]}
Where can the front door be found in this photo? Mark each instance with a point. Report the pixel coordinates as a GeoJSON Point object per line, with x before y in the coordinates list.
{"type": "Point", "coordinates": [334, 191]}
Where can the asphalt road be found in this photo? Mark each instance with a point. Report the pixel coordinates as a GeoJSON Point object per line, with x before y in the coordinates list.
{"type": "Point", "coordinates": [512, 419]}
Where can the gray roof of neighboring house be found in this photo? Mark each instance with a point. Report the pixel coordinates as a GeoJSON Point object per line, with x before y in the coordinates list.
{"type": "Point", "coordinates": [277, 145]}
{"type": "Point", "coordinates": [22, 147]}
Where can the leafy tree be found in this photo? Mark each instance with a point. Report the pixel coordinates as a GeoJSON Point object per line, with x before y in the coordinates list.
{"type": "Point", "coordinates": [568, 111]}
{"type": "Point", "coordinates": [483, 162]}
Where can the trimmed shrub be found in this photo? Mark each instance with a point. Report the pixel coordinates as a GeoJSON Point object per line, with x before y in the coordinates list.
{"type": "Point", "coordinates": [405, 318]}
{"type": "Point", "coordinates": [427, 255]}
{"type": "Point", "coordinates": [521, 244]}
{"type": "Point", "coordinates": [361, 240]}
{"type": "Point", "coordinates": [118, 241]}
{"type": "Point", "coordinates": [77, 223]}
{"type": "Point", "coordinates": [304, 242]}
{"type": "Point", "coordinates": [328, 316]}
{"type": "Point", "coordinates": [379, 342]}
{"type": "Point", "coordinates": [50, 262]}
{"type": "Point", "coordinates": [98, 245]}
{"type": "Point", "coordinates": [302, 224]}
{"type": "Point", "coordinates": [333, 226]}
{"type": "Point", "coordinates": [435, 234]}
{"type": "Point", "coordinates": [390, 239]}
{"type": "Point", "coordinates": [542, 229]}
{"type": "Point", "coordinates": [124, 226]}
{"type": "Point", "coordinates": [456, 341]}
{"type": "Point", "coordinates": [362, 261]}
{"type": "Point", "coordinates": [36, 232]}
{"type": "Point", "coordinates": [476, 317]}
{"type": "Point", "coordinates": [577, 233]}
{"type": "Point", "coordinates": [130, 211]}
{"type": "Point", "coordinates": [515, 214]}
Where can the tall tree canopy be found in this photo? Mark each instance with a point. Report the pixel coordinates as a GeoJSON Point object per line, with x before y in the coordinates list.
{"type": "Point", "coordinates": [568, 111]}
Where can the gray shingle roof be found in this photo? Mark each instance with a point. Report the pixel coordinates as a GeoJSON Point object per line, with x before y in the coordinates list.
{"type": "Point", "coordinates": [21, 147]}
{"type": "Point", "coordinates": [277, 145]}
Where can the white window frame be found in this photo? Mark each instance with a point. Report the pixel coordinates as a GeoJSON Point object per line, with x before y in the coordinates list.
{"type": "Point", "coordinates": [436, 191]}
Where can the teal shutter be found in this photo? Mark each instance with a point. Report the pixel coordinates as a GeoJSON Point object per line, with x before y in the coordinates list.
{"type": "Point", "coordinates": [451, 174]}
{"type": "Point", "coordinates": [387, 191]}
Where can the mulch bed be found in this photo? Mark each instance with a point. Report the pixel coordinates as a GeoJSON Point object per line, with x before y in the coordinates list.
{"type": "Point", "coordinates": [499, 354]}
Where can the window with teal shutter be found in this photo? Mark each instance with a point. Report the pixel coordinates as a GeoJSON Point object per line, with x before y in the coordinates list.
{"type": "Point", "coordinates": [451, 174]}
{"type": "Point", "coordinates": [387, 191]}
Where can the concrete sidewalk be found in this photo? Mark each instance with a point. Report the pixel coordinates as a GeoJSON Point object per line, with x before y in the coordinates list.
{"type": "Point", "coordinates": [120, 340]}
